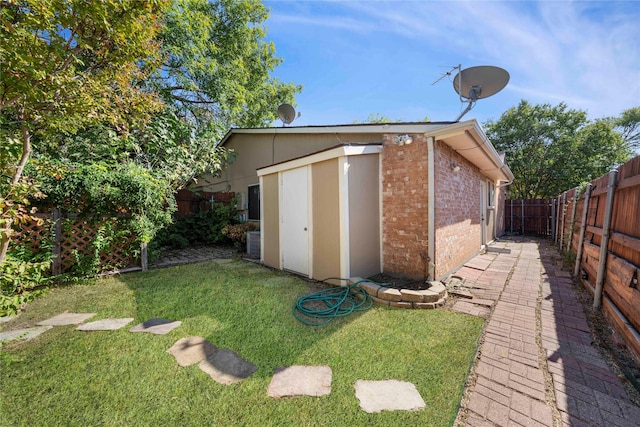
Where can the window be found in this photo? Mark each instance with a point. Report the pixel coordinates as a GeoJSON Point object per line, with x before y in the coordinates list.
{"type": "Point", "coordinates": [491, 195]}
{"type": "Point", "coordinates": [254, 202]}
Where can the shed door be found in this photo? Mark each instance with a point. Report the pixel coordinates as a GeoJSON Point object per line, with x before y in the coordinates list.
{"type": "Point", "coordinates": [294, 229]}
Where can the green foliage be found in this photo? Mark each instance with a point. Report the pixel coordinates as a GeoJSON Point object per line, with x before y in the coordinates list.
{"type": "Point", "coordinates": [19, 280]}
{"type": "Point", "coordinates": [553, 148]}
{"type": "Point", "coordinates": [202, 228]}
{"type": "Point", "coordinates": [97, 190]}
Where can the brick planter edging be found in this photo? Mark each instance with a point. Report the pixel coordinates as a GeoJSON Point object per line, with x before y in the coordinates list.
{"type": "Point", "coordinates": [433, 297]}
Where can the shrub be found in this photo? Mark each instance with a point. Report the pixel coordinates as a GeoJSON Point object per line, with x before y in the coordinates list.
{"type": "Point", "coordinates": [203, 228]}
{"type": "Point", "coordinates": [238, 233]}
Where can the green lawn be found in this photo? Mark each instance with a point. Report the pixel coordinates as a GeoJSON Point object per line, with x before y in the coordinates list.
{"type": "Point", "coordinates": [116, 378]}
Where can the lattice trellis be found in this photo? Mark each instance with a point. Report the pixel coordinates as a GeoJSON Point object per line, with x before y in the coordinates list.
{"type": "Point", "coordinates": [76, 241]}
{"type": "Point", "coordinates": [35, 235]}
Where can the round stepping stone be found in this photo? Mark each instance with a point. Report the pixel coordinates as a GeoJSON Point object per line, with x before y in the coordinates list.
{"type": "Point", "coordinates": [388, 395]}
{"type": "Point", "coordinates": [300, 381]}
{"type": "Point", "coordinates": [105, 324]}
{"type": "Point", "coordinates": [66, 319]}
{"type": "Point", "coordinates": [191, 350]}
{"type": "Point", "coordinates": [226, 367]}
{"type": "Point", "coordinates": [156, 326]}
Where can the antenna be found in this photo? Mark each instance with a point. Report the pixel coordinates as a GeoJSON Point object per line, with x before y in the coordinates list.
{"type": "Point", "coordinates": [448, 73]}
{"type": "Point", "coordinates": [477, 83]}
{"type": "Point", "coordinates": [286, 113]}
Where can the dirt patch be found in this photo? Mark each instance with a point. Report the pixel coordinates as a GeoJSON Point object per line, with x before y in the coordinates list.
{"type": "Point", "coordinates": [401, 283]}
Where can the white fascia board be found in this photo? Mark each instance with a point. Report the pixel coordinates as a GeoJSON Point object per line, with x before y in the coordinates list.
{"type": "Point", "coordinates": [345, 150]}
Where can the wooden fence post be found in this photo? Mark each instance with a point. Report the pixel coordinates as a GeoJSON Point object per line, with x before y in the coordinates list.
{"type": "Point", "coordinates": [56, 267]}
{"type": "Point", "coordinates": [553, 219]}
{"type": "Point", "coordinates": [522, 220]}
{"type": "Point", "coordinates": [144, 256]}
{"type": "Point", "coordinates": [562, 211]}
{"type": "Point", "coordinates": [572, 223]}
{"type": "Point", "coordinates": [602, 262]}
{"type": "Point", "coordinates": [583, 227]}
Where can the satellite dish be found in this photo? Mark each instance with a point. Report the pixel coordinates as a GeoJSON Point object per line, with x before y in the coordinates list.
{"type": "Point", "coordinates": [477, 83]}
{"type": "Point", "coordinates": [480, 82]}
{"type": "Point", "coordinates": [286, 113]}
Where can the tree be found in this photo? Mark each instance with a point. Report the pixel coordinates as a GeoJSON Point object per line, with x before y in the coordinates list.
{"type": "Point", "coordinates": [215, 74]}
{"type": "Point", "coordinates": [552, 148]}
{"type": "Point", "coordinates": [65, 64]}
{"type": "Point", "coordinates": [628, 125]}
{"type": "Point", "coordinates": [217, 66]}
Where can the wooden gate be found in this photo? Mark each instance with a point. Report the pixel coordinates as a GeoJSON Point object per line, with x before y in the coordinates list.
{"type": "Point", "coordinates": [532, 217]}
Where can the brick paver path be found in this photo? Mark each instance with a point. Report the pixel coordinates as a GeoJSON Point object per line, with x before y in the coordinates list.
{"type": "Point", "coordinates": [536, 365]}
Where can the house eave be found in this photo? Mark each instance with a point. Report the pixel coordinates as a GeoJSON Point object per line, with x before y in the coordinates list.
{"type": "Point", "coordinates": [469, 140]}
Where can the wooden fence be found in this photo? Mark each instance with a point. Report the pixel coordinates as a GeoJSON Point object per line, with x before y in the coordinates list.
{"type": "Point", "coordinates": [192, 202]}
{"type": "Point", "coordinates": [601, 227]}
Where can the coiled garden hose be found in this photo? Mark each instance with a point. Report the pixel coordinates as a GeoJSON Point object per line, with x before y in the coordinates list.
{"type": "Point", "coordinates": [327, 304]}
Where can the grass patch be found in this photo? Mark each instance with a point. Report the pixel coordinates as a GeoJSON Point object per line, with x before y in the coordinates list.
{"type": "Point", "coordinates": [67, 377]}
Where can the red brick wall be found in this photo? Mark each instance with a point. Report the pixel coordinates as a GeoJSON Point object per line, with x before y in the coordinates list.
{"type": "Point", "coordinates": [405, 208]}
{"type": "Point", "coordinates": [457, 216]}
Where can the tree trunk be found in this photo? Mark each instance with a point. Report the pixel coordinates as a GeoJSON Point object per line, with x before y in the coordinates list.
{"type": "Point", "coordinates": [7, 215]}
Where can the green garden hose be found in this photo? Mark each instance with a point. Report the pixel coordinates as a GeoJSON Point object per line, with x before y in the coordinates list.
{"type": "Point", "coordinates": [327, 304]}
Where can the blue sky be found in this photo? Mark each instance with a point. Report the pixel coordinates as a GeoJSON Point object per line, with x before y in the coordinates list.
{"type": "Point", "coordinates": [354, 58]}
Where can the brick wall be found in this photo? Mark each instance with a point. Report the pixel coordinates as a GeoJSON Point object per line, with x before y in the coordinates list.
{"type": "Point", "coordinates": [457, 216]}
{"type": "Point", "coordinates": [405, 208]}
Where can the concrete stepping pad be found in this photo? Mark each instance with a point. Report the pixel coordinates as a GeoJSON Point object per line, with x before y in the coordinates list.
{"type": "Point", "coordinates": [226, 367]}
{"type": "Point", "coordinates": [156, 326]}
{"type": "Point", "coordinates": [300, 381]}
{"type": "Point", "coordinates": [388, 395]}
{"type": "Point", "coordinates": [190, 350]}
{"type": "Point", "coordinates": [66, 319]}
{"type": "Point", "coordinates": [23, 334]}
{"type": "Point", "coordinates": [105, 324]}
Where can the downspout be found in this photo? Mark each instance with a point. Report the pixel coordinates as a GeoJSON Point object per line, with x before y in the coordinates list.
{"type": "Point", "coordinates": [583, 226]}
{"type": "Point", "coordinates": [431, 227]}
{"type": "Point", "coordinates": [604, 244]}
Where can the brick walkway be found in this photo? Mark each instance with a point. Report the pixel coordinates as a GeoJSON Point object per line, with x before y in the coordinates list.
{"type": "Point", "coordinates": [536, 365]}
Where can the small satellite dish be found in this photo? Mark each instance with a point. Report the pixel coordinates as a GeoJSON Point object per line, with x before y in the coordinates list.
{"type": "Point", "coordinates": [286, 113]}
{"type": "Point", "coordinates": [480, 82]}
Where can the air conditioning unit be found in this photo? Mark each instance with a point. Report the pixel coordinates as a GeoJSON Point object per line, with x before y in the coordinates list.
{"type": "Point", "coordinates": [253, 244]}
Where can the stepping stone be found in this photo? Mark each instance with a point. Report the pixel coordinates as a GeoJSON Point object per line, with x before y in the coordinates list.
{"type": "Point", "coordinates": [23, 334]}
{"type": "Point", "coordinates": [105, 324]}
{"type": "Point", "coordinates": [5, 319]}
{"type": "Point", "coordinates": [300, 381]}
{"type": "Point", "coordinates": [190, 350]}
{"type": "Point", "coordinates": [226, 367]}
{"type": "Point", "coordinates": [388, 395]}
{"type": "Point", "coordinates": [156, 326]}
{"type": "Point", "coordinates": [66, 319]}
